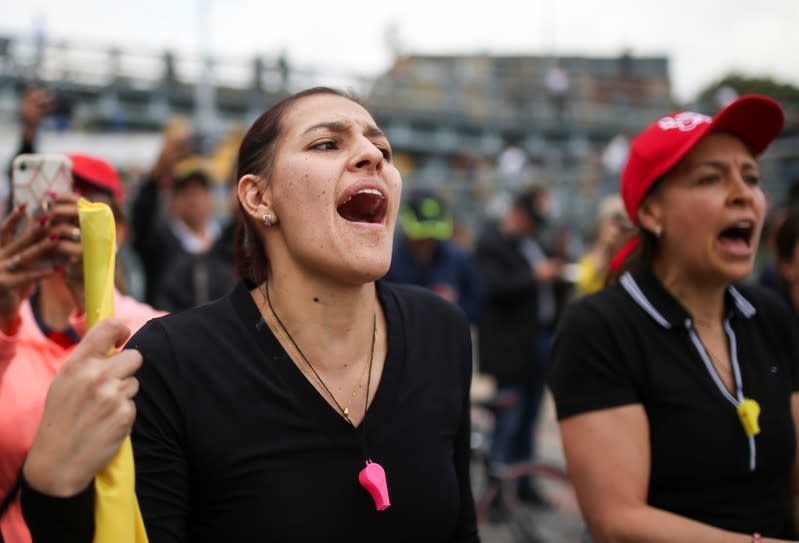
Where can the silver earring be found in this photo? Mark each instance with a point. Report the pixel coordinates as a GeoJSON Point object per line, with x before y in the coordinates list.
{"type": "Point", "coordinates": [658, 231]}
{"type": "Point", "coordinates": [268, 220]}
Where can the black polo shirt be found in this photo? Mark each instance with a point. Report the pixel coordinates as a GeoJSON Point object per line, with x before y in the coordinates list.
{"type": "Point", "coordinates": [633, 343]}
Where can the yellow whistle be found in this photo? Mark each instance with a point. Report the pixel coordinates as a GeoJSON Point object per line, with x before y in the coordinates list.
{"type": "Point", "coordinates": [748, 412]}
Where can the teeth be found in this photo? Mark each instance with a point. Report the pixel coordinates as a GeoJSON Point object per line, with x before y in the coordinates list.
{"type": "Point", "coordinates": [373, 192]}
{"type": "Point", "coordinates": [370, 191]}
{"type": "Point", "coordinates": [743, 224]}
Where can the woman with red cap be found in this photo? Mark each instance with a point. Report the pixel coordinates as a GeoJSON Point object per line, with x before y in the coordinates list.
{"type": "Point", "coordinates": [677, 387]}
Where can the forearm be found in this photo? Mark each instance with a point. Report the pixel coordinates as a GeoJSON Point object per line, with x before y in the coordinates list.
{"type": "Point", "coordinates": [651, 525]}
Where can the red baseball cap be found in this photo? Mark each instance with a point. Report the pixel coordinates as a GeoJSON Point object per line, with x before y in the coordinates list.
{"type": "Point", "coordinates": [98, 172]}
{"type": "Point", "coordinates": [756, 119]}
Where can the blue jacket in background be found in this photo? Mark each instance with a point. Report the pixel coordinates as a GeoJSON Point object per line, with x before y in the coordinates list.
{"type": "Point", "coordinates": [451, 266]}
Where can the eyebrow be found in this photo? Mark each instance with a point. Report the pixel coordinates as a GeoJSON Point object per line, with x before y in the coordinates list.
{"type": "Point", "coordinates": [749, 165]}
{"type": "Point", "coordinates": [340, 127]}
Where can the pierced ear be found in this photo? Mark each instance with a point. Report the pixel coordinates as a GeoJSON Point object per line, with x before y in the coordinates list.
{"type": "Point", "coordinates": [252, 194]}
{"type": "Point", "coordinates": [650, 215]}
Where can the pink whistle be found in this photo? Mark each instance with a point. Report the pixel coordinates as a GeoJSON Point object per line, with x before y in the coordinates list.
{"type": "Point", "coordinates": [373, 479]}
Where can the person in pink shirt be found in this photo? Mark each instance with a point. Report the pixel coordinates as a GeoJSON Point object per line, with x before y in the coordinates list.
{"type": "Point", "coordinates": [38, 332]}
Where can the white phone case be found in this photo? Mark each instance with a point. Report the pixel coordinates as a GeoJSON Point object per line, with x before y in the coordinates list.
{"type": "Point", "coordinates": [34, 175]}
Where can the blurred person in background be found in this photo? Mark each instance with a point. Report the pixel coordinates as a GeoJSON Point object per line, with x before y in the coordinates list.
{"type": "Point", "coordinates": [513, 335]}
{"type": "Point", "coordinates": [769, 275]}
{"type": "Point", "coordinates": [42, 320]}
{"type": "Point", "coordinates": [612, 229]}
{"type": "Point", "coordinates": [677, 387]}
{"type": "Point", "coordinates": [36, 104]}
{"type": "Point", "coordinates": [425, 255]}
{"type": "Point", "coordinates": [149, 211]}
{"type": "Point", "coordinates": [181, 237]}
{"type": "Point", "coordinates": [787, 246]}
{"type": "Point", "coordinates": [197, 266]}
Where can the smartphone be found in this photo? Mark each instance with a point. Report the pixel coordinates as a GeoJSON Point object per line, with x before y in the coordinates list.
{"type": "Point", "coordinates": [34, 175]}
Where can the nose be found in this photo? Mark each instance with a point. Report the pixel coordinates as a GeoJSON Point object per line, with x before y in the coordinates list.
{"type": "Point", "coordinates": [367, 156]}
{"type": "Point", "coordinates": [743, 192]}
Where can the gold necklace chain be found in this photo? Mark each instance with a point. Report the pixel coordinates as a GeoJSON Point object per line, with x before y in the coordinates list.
{"type": "Point", "coordinates": [355, 390]}
{"type": "Point", "coordinates": [345, 412]}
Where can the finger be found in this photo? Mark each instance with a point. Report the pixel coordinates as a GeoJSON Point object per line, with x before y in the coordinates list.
{"type": "Point", "coordinates": [69, 249]}
{"type": "Point", "coordinates": [24, 277]}
{"type": "Point", "coordinates": [123, 420]}
{"type": "Point", "coordinates": [124, 364]}
{"type": "Point", "coordinates": [64, 198]}
{"type": "Point", "coordinates": [30, 237]}
{"type": "Point", "coordinates": [64, 211]}
{"type": "Point", "coordinates": [13, 263]}
{"type": "Point", "coordinates": [9, 227]}
{"type": "Point", "coordinates": [30, 256]}
{"type": "Point", "coordinates": [67, 231]}
{"type": "Point", "coordinates": [100, 339]}
{"type": "Point", "coordinates": [29, 260]}
{"type": "Point", "coordinates": [129, 387]}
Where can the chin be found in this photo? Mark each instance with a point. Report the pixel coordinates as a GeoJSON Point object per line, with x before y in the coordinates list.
{"type": "Point", "coordinates": [360, 271]}
{"type": "Point", "coordinates": [373, 271]}
{"type": "Point", "coordinates": [734, 273]}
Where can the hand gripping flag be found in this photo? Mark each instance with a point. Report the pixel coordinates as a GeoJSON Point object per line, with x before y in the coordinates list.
{"type": "Point", "coordinates": [117, 518]}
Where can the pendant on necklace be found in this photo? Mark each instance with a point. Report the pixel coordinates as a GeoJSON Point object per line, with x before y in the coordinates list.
{"type": "Point", "coordinates": [373, 478]}
{"type": "Point", "coordinates": [748, 412]}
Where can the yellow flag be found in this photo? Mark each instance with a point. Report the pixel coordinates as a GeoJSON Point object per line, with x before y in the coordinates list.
{"type": "Point", "coordinates": [117, 518]}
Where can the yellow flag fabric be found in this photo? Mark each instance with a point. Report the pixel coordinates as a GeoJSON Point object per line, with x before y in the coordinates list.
{"type": "Point", "coordinates": [117, 518]}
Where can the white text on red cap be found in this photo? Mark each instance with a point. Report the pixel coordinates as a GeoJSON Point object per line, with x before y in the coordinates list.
{"type": "Point", "coordinates": [684, 122]}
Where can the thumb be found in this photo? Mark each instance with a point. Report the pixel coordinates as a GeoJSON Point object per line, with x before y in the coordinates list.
{"type": "Point", "coordinates": [101, 339]}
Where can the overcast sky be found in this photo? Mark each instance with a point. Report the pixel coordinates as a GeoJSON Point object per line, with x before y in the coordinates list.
{"type": "Point", "coordinates": [704, 39]}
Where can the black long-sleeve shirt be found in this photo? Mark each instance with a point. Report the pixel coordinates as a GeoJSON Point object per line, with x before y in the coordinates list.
{"type": "Point", "coordinates": [233, 443]}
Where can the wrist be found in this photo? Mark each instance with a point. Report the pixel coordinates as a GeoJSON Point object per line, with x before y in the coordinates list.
{"type": "Point", "coordinates": [51, 478]}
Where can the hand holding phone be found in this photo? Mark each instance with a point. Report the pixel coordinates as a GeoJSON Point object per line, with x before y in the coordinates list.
{"type": "Point", "coordinates": [36, 177]}
{"type": "Point", "coordinates": [24, 260]}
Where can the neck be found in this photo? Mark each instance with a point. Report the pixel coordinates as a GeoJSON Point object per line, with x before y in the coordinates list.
{"type": "Point", "coordinates": [55, 302]}
{"type": "Point", "coordinates": [331, 324]}
{"type": "Point", "coordinates": [703, 299]}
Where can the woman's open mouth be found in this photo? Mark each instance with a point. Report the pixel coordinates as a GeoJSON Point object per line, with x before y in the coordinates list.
{"type": "Point", "coordinates": [738, 238]}
{"type": "Point", "coordinates": [367, 205]}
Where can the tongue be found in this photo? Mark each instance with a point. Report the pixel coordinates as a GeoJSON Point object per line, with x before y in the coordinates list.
{"type": "Point", "coordinates": [734, 246]}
